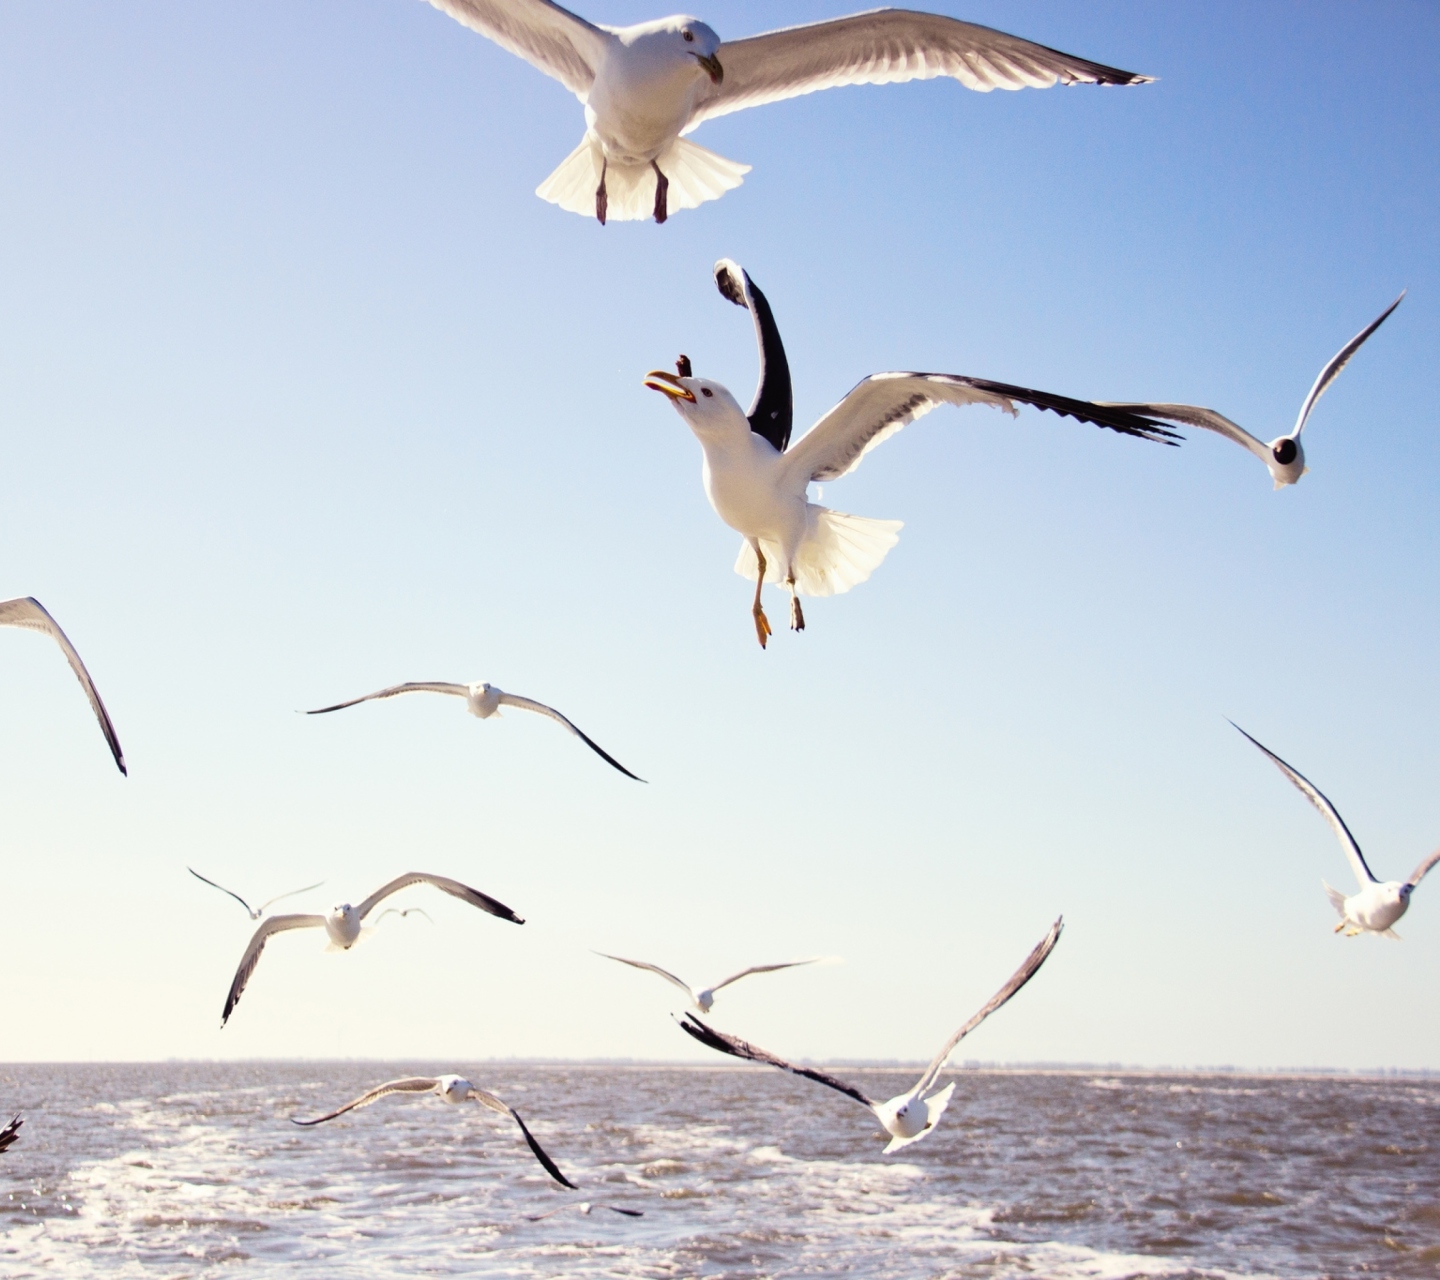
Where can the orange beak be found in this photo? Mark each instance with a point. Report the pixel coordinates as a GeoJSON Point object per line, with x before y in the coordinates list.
{"type": "Point", "coordinates": [668, 384]}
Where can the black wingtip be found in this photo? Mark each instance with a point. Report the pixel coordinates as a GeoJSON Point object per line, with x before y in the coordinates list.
{"type": "Point", "coordinates": [731, 289]}
{"type": "Point", "coordinates": [683, 366]}
{"type": "Point", "coordinates": [539, 1153]}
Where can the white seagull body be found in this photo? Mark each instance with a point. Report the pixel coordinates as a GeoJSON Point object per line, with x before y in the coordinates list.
{"type": "Point", "coordinates": [704, 997]}
{"type": "Point", "coordinates": [646, 85]}
{"type": "Point", "coordinates": [253, 912]}
{"type": "Point", "coordinates": [757, 481]}
{"type": "Point", "coordinates": [909, 1116]}
{"type": "Point", "coordinates": [1284, 456]}
{"type": "Point", "coordinates": [30, 614]}
{"type": "Point", "coordinates": [1378, 904]}
{"type": "Point", "coordinates": [482, 701]}
{"type": "Point", "coordinates": [344, 923]}
{"type": "Point", "coordinates": [455, 1090]}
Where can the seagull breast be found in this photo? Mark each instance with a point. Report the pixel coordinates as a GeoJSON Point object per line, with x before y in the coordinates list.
{"type": "Point", "coordinates": [646, 87]}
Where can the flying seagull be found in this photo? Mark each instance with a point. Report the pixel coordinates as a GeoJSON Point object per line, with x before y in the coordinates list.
{"type": "Point", "coordinates": [644, 86]}
{"type": "Point", "coordinates": [483, 701]}
{"type": "Point", "coordinates": [254, 912]}
{"type": "Point", "coordinates": [454, 1089]}
{"type": "Point", "coordinates": [757, 481]}
{"type": "Point", "coordinates": [703, 998]}
{"type": "Point", "coordinates": [342, 926]}
{"type": "Point", "coordinates": [10, 1132]}
{"type": "Point", "coordinates": [585, 1207]}
{"type": "Point", "coordinates": [1284, 455]}
{"type": "Point", "coordinates": [910, 1116]}
{"type": "Point", "coordinates": [30, 614]}
{"type": "Point", "coordinates": [1377, 905]}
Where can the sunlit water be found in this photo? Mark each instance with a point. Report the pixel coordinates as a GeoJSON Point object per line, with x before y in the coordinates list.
{"type": "Point", "coordinates": [182, 1170]}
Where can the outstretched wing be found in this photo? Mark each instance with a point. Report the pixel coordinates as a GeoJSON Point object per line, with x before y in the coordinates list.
{"type": "Point", "coordinates": [1337, 824]}
{"type": "Point", "coordinates": [761, 968]}
{"type": "Point", "coordinates": [495, 1104]}
{"type": "Point", "coordinates": [413, 1084]}
{"type": "Point", "coordinates": [1018, 979]}
{"type": "Point", "coordinates": [253, 914]}
{"type": "Point", "coordinates": [275, 924]}
{"type": "Point", "coordinates": [415, 686]}
{"type": "Point", "coordinates": [453, 887]}
{"type": "Point", "coordinates": [10, 1132]}
{"type": "Point", "coordinates": [1194, 416]}
{"type": "Point", "coordinates": [772, 415]}
{"type": "Point", "coordinates": [1419, 873]}
{"type": "Point", "coordinates": [529, 704]}
{"type": "Point", "coordinates": [31, 614]}
{"type": "Point", "coordinates": [279, 897]}
{"type": "Point", "coordinates": [550, 38]}
{"type": "Point", "coordinates": [653, 968]}
{"type": "Point", "coordinates": [884, 402]}
{"type": "Point", "coordinates": [737, 1048]}
{"type": "Point", "coordinates": [1342, 358]}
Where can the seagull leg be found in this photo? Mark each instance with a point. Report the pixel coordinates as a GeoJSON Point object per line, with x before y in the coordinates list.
{"type": "Point", "coordinates": [762, 623]}
{"type": "Point", "coordinates": [602, 197]}
{"type": "Point", "coordinates": [662, 194]}
{"type": "Point", "coordinates": [797, 615]}
{"type": "Point", "coordinates": [1339, 926]}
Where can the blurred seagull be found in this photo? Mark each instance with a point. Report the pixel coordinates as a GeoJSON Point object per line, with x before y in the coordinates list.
{"type": "Point", "coordinates": [585, 1207]}
{"type": "Point", "coordinates": [483, 701]}
{"type": "Point", "coordinates": [910, 1116]}
{"type": "Point", "coordinates": [343, 925]}
{"type": "Point", "coordinates": [10, 1132]}
{"type": "Point", "coordinates": [1377, 905]}
{"type": "Point", "coordinates": [1284, 456]}
{"type": "Point", "coordinates": [30, 614]}
{"type": "Point", "coordinates": [705, 997]}
{"type": "Point", "coordinates": [254, 912]}
{"type": "Point", "coordinates": [757, 481]}
{"type": "Point", "coordinates": [455, 1090]}
{"type": "Point", "coordinates": [646, 85]}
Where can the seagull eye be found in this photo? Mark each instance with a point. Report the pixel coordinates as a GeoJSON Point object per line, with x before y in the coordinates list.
{"type": "Point", "coordinates": [706, 392]}
{"type": "Point", "coordinates": [689, 36]}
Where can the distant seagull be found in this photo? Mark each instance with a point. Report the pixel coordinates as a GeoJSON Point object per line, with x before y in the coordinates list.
{"type": "Point", "coordinates": [483, 701]}
{"type": "Point", "coordinates": [342, 926]}
{"type": "Point", "coordinates": [10, 1132]}
{"type": "Point", "coordinates": [585, 1207]}
{"type": "Point", "coordinates": [1284, 456]}
{"type": "Point", "coordinates": [454, 1089]}
{"type": "Point", "coordinates": [254, 912]}
{"type": "Point", "coordinates": [1378, 905]}
{"type": "Point", "coordinates": [30, 614]}
{"type": "Point", "coordinates": [705, 996]}
{"type": "Point", "coordinates": [646, 85]}
{"type": "Point", "coordinates": [757, 482]}
{"type": "Point", "coordinates": [910, 1116]}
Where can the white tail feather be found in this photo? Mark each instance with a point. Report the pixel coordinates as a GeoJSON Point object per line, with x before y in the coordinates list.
{"type": "Point", "coordinates": [695, 173]}
{"type": "Point", "coordinates": [1337, 899]}
{"type": "Point", "coordinates": [838, 552]}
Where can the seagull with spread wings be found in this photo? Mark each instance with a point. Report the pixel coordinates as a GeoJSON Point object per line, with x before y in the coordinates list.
{"type": "Point", "coordinates": [645, 86]}
{"type": "Point", "coordinates": [253, 912]}
{"type": "Point", "coordinates": [1284, 456]}
{"type": "Point", "coordinates": [10, 1132]}
{"type": "Point", "coordinates": [344, 923]}
{"type": "Point", "coordinates": [757, 481]}
{"type": "Point", "coordinates": [704, 997]}
{"type": "Point", "coordinates": [1378, 904]}
{"type": "Point", "coordinates": [482, 701]}
{"type": "Point", "coordinates": [455, 1090]}
{"type": "Point", "coordinates": [911, 1115]}
{"type": "Point", "coordinates": [31, 615]}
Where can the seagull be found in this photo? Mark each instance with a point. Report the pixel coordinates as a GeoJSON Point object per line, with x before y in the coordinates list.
{"type": "Point", "coordinates": [254, 912]}
{"type": "Point", "coordinates": [483, 701]}
{"type": "Point", "coordinates": [705, 996]}
{"type": "Point", "coordinates": [646, 85]}
{"type": "Point", "coordinates": [1377, 905]}
{"type": "Point", "coordinates": [10, 1132]}
{"type": "Point", "coordinates": [454, 1089]}
{"type": "Point", "coordinates": [30, 614]}
{"type": "Point", "coordinates": [757, 481]}
{"type": "Point", "coordinates": [910, 1116]}
{"type": "Point", "coordinates": [1284, 455]}
{"type": "Point", "coordinates": [585, 1207]}
{"type": "Point", "coordinates": [342, 926]}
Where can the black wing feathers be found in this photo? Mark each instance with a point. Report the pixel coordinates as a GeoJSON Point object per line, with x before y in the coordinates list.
{"type": "Point", "coordinates": [737, 1048]}
{"type": "Point", "coordinates": [773, 413]}
{"type": "Point", "coordinates": [1122, 420]}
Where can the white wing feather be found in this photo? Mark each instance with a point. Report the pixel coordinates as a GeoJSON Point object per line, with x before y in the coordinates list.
{"type": "Point", "coordinates": [1342, 358]}
{"type": "Point", "coordinates": [550, 38]}
{"type": "Point", "coordinates": [1419, 873]}
{"type": "Point", "coordinates": [1195, 416]}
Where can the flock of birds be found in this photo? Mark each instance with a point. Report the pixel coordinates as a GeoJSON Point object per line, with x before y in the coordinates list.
{"type": "Point", "coordinates": [644, 88]}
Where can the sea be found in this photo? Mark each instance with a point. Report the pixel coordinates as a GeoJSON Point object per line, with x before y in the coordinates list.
{"type": "Point", "coordinates": [193, 1170]}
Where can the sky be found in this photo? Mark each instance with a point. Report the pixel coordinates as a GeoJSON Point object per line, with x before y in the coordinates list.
{"type": "Point", "coordinates": [303, 392]}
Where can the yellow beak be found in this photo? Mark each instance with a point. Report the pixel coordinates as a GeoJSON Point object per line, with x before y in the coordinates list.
{"type": "Point", "coordinates": [712, 66]}
{"type": "Point", "coordinates": [669, 384]}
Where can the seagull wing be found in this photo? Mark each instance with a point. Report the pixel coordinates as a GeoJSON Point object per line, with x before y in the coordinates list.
{"type": "Point", "coordinates": [275, 924]}
{"type": "Point", "coordinates": [418, 686]}
{"type": "Point", "coordinates": [12, 1131]}
{"type": "Point", "coordinates": [1337, 824]}
{"type": "Point", "coordinates": [1194, 416]}
{"type": "Point", "coordinates": [884, 402]}
{"type": "Point", "coordinates": [1342, 358]}
{"type": "Point", "coordinates": [1018, 979]}
{"type": "Point", "coordinates": [1419, 873]}
{"type": "Point", "coordinates": [31, 614]}
{"type": "Point", "coordinates": [654, 968]}
{"type": "Point", "coordinates": [737, 1048]}
{"type": "Point", "coordinates": [413, 1084]}
{"type": "Point", "coordinates": [761, 968]}
{"type": "Point", "coordinates": [251, 911]}
{"type": "Point", "coordinates": [281, 896]}
{"type": "Point", "coordinates": [495, 1104]}
{"type": "Point", "coordinates": [886, 46]}
{"type": "Point", "coordinates": [453, 887]}
{"type": "Point", "coordinates": [549, 38]}
{"type": "Point", "coordinates": [773, 413]}
{"type": "Point", "coordinates": [529, 704]}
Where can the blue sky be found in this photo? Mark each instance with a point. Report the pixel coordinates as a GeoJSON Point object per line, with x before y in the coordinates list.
{"type": "Point", "coordinates": [303, 392]}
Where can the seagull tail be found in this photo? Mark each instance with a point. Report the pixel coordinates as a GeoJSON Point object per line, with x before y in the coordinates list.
{"type": "Point", "coordinates": [695, 174]}
{"type": "Point", "coordinates": [572, 185]}
{"type": "Point", "coordinates": [1337, 899]}
{"type": "Point", "coordinates": [838, 552]}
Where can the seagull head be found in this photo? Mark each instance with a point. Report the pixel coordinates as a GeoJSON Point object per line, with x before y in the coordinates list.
{"type": "Point", "coordinates": [706, 406]}
{"type": "Point", "coordinates": [1286, 460]}
{"type": "Point", "coordinates": [691, 38]}
{"type": "Point", "coordinates": [454, 1088]}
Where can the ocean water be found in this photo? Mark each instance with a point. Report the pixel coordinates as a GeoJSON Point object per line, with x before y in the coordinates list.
{"type": "Point", "coordinates": [189, 1170]}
